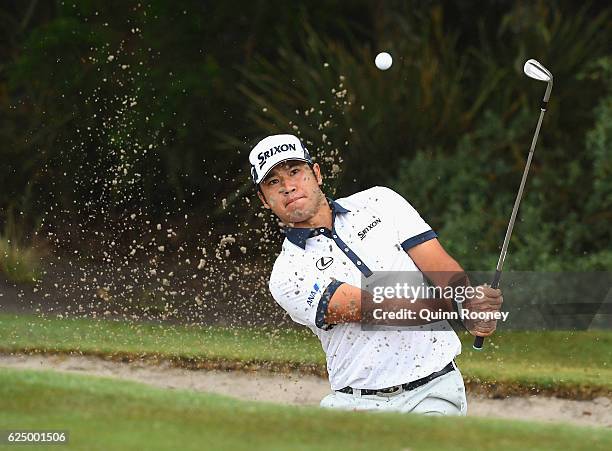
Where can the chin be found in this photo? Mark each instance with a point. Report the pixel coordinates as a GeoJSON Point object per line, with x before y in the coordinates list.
{"type": "Point", "coordinates": [300, 213]}
{"type": "Point", "coordinates": [298, 216]}
{"type": "Point", "coordinates": [295, 219]}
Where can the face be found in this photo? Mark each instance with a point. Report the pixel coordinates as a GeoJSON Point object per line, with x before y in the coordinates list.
{"type": "Point", "coordinates": [292, 190]}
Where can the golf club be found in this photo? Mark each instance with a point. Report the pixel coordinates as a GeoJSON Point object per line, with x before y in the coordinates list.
{"type": "Point", "coordinates": [537, 71]}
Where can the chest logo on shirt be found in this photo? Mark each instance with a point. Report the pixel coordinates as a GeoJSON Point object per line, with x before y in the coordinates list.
{"type": "Point", "coordinates": [324, 262]}
{"type": "Point", "coordinates": [365, 231]}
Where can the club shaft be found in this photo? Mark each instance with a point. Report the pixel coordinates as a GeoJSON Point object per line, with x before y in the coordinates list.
{"type": "Point", "coordinates": [479, 341]}
{"type": "Point", "coordinates": [519, 195]}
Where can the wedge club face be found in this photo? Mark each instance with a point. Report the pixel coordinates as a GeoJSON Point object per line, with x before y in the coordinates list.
{"type": "Point", "coordinates": [537, 71]}
{"type": "Point", "coordinates": [534, 69]}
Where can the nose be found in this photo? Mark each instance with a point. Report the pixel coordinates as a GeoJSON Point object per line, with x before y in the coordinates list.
{"type": "Point", "coordinates": [287, 186]}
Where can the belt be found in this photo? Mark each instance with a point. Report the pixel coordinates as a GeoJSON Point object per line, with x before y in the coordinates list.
{"type": "Point", "coordinates": [397, 389]}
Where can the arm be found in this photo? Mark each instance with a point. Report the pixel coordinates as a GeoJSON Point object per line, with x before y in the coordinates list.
{"type": "Point", "coordinates": [345, 306]}
{"type": "Point", "coordinates": [443, 270]}
{"type": "Point", "coordinates": [431, 258]}
{"type": "Point", "coordinates": [433, 261]}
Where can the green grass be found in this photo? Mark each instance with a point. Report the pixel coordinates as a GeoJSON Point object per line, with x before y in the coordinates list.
{"type": "Point", "coordinates": [576, 361]}
{"type": "Point", "coordinates": [566, 361]}
{"type": "Point", "coordinates": [103, 336]}
{"type": "Point", "coordinates": [106, 414]}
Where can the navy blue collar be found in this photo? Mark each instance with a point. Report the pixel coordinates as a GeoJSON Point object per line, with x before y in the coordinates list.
{"type": "Point", "coordinates": [298, 236]}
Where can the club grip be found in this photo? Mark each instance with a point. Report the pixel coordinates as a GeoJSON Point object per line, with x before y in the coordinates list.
{"type": "Point", "coordinates": [496, 277]}
{"type": "Point", "coordinates": [479, 341]}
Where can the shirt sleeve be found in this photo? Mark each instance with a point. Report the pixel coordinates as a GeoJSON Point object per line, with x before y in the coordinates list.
{"type": "Point", "coordinates": [304, 297]}
{"type": "Point", "coordinates": [412, 228]}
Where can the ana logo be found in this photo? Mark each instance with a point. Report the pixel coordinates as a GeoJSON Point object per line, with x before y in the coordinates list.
{"type": "Point", "coordinates": [324, 262]}
{"type": "Point", "coordinates": [263, 156]}
{"type": "Point", "coordinates": [312, 294]}
{"type": "Point", "coordinates": [365, 231]}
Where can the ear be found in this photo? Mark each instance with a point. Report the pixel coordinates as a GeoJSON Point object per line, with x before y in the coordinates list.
{"type": "Point", "coordinates": [263, 199]}
{"type": "Point", "coordinates": [316, 169]}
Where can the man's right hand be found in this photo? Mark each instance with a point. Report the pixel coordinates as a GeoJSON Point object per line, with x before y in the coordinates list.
{"type": "Point", "coordinates": [486, 299]}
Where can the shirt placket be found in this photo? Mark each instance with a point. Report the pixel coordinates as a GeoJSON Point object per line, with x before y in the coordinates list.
{"type": "Point", "coordinates": [353, 257]}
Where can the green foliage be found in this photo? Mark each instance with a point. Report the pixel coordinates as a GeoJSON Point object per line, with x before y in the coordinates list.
{"type": "Point", "coordinates": [598, 146]}
{"type": "Point", "coordinates": [470, 204]}
{"type": "Point", "coordinates": [349, 112]}
{"type": "Point", "coordinates": [20, 258]}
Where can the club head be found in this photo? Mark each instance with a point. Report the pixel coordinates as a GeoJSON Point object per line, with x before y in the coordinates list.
{"type": "Point", "coordinates": [537, 71]}
{"type": "Point", "coordinates": [533, 69]}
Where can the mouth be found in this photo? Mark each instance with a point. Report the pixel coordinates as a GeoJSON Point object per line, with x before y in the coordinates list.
{"type": "Point", "coordinates": [291, 201]}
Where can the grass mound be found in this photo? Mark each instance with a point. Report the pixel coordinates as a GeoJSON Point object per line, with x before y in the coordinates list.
{"type": "Point", "coordinates": [102, 413]}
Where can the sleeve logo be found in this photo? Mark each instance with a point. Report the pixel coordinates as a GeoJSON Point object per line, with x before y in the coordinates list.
{"type": "Point", "coordinates": [313, 293]}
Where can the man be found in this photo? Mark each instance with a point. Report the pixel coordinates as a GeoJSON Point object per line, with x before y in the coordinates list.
{"type": "Point", "coordinates": [330, 248]}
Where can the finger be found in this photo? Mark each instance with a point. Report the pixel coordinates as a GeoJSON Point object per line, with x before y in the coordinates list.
{"type": "Point", "coordinates": [487, 301]}
{"type": "Point", "coordinates": [491, 311]}
{"type": "Point", "coordinates": [485, 326]}
{"type": "Point", "coordinates": [491, 292]}
{"type": "Point", "coordinates": [493, 302]}
{"type": "Point", "coordinates": [481, 334]}
{"type": "Point", "coordinates": [477, 334]}
{"type": "Point", "coordinates": [486, 304]}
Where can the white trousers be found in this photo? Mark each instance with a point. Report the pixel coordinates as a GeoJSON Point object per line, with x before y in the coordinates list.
{"type": "Point", "coordinates": [444, 395]}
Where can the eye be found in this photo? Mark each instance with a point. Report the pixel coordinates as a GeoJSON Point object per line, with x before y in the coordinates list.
{"type": "Point", "coordinates": [272, 181]}
{"type": "Point", "coordinates": [294, 171]}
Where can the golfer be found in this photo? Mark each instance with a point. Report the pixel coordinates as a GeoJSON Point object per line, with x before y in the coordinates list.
{"type": "Point", "coordinates": [331, 247]}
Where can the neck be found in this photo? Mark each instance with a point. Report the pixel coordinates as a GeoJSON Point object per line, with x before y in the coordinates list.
{"type": "Point", "coordinates": [322, 218]}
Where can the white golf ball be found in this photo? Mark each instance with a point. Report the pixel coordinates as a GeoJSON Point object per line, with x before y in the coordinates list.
{"type": "Point", "coordinates": [383, 61]}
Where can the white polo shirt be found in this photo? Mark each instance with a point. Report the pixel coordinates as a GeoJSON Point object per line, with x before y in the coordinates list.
{"type": "Point", "coordinates": [371, 232]}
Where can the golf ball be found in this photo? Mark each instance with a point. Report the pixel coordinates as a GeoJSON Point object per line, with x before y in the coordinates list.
{"type": "Point", "coordinates": [383, 61]}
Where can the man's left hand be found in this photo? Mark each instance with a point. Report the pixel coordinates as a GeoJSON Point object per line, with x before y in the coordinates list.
{"type": "Point", "coordinates": [488, 300]}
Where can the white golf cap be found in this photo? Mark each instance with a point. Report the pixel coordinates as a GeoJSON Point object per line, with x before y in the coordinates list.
{"type": "Point", "coordinates": [273, 150]}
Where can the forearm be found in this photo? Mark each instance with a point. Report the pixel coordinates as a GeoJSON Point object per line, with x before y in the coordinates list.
{"type": "Point", "coordinates": [351, 304]}
{"type": "Point", "coordinates": [404, 312]}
